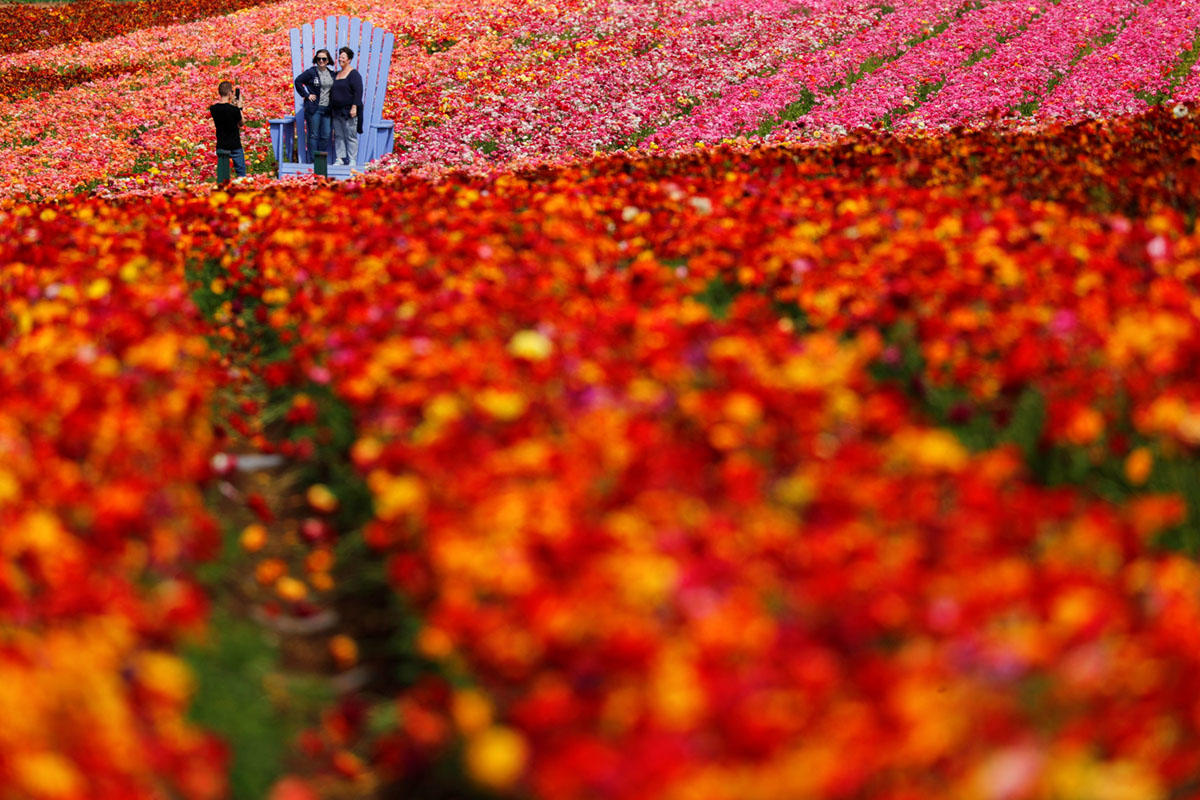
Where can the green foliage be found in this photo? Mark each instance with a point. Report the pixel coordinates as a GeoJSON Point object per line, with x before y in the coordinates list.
{"type": "Point", "coordinates": [242, 696]}
{"type": "Point", "coordinates": [643, 49]}
{"type": "Point", "coordinates": [20, 141]}
{"type": "Point", "coordinates": [535, 39]}
{"type": "Point", "coordinates": [87, 187]}
{"type": "Point", "coordinates": [980, 54]}
{"type": "Point", "coordinates": [926, 90]}
{"type": "Point", "coordinates": [1020, 421]}
{"type": "Point", "coordinates": [203, 276]}
{"type": "Point", "coordinates": [928, 34]}
{"type": "Point", "coordinates": [790, 113]}
{"type": "Point", "coordinates": [718, 295]}
{"type": "Point", "coordinates": [385, 625]}
{"type": "Point", "coordinates": [1176, 75]}
{"type": "Point", "coordinates": [211, 61]}
{"type": "Point", "coordinates": [968, 7]}
{"type": "Point", "coordinates": [1032, 101]}
{"type": "Point", "coordinates": [439, 45]}
{"type": "Point", "coordinates": [633, 140]}
{"type": "Point", "coordinates": [485, 146]}
{"type": "Point", "coordinates": [261, 162]}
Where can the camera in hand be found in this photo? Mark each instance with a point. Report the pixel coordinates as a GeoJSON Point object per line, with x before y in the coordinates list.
{"type": "Point", "coordinates": [237, 93]}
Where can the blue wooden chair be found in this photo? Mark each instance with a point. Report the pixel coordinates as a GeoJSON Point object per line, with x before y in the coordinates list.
{"type": "Point", "coordinates": [372, 58]}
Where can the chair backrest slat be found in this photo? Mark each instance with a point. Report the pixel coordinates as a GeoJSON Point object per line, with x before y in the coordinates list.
{"type": "Point", "coordinates": [352, 39]}
{"type": "Point", "coordinates": [343, 31]}
{"type": "Point", "coordinates": [365, 64]}
{"type": "Point", "coordinates": [381, 56]}
{"type": "Point", "coordinates": [297, 63]}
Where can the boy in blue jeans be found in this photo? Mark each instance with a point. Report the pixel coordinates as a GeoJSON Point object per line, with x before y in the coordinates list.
{"type": "Point", "coordinates": [227, 116]}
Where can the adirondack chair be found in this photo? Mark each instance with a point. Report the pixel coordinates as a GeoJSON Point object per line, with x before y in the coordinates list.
{"type": "Point", "coordinates": [372, 58]}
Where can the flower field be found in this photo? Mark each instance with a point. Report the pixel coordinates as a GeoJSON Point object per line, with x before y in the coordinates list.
{"type": "Point", "coordinates": [506, 83]}
{"type": "Point", "coordinates": [714, 400]}
{"type": "Point", "coordinates": [104, 439]}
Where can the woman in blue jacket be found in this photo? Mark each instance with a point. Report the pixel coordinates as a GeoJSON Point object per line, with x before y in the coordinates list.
{"type": "Point", "coordinates": [315, 85]}
{"type": "Point", "coordinates": [346, 100]}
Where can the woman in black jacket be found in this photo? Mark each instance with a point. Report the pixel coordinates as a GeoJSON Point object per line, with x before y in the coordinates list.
{"type": "Point", "coordinates": [315, 85]}
{"type": "Point", "coordinates": [346, 100]}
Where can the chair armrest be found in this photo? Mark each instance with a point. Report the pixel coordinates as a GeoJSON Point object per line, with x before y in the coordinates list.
{"type": "Point", "coordinates": [382, 138]}
{"type": "Point", "coordinates": [282, 131]}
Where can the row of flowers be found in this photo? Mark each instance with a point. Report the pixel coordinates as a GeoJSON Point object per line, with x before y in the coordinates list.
{"type": "Point", "coordinates": [741, 109]}
{"type": "Point", "coordinates": [644, 452]}
{"type": "Point", "coordinates": [105, 438]}
{"type": "Point", "coordinates": [26, 27]}
{"type": "Point", "coordinates": [1139, 61]}
{"type": "Point", "coordinates": [923, 68]}
{"type": "Point", "coordinates": [1021, 69]}
{"type": "Point", "coordinates": [509, 82]}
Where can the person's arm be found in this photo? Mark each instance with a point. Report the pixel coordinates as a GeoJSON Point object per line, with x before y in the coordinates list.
{"type": "Point", "coordinates": [357, 85]}
{"type": "Point", "coordinates": [302, 88]}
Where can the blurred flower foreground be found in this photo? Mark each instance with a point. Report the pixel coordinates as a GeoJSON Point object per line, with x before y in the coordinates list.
{"type": "Point", "coordinates": [777, 399]}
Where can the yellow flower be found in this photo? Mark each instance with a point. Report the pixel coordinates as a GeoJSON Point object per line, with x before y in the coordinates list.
{"type": "Point", "coordinates": [269, 571]}
{"type": "Point", "coordinates": [678, 699]}
{"type": "Point", "coordinates": [165, 675]}
{"type": "Point", "coordinates": [291, 589]}
{"type": "Point", "coordinates": [344, 650]}
{"type": "Point", "coordinates": [322, 498]}
{"type": "Point", "coordinates": [366, 450]}
{"type": "Point", "coordinates": [9, 487]}
{"type": "Point", "coordinates": [496, 757]}
{"type": "Point", "coordinates": [930, 449]}
{"type": "Point", "coordinates": [472, 711]}
{"type": "Point", "coordinates": [502, 404]}
{"type": "Point", "coordinates": [98, 288]}
{"type": "Point", "coordinates": [1138, 465]}
{"type": "Point", "coordinates": [434, 643]}
{"type": "Point", "coordinates": [46, 775]}
{"type": "Point", "coordinates": [530, 345]}
{"type": "Point", "coordinates": [1086, 426]}
{"type": "Point", "coordinates": [743, 408]}
{"type": "Point", "coordinates": [253, 538]}
{"type": "Point", "coordinates": [395, 495]}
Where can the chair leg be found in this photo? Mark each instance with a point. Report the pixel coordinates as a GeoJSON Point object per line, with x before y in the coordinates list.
{"type": "Point", "coordinates": [277, 141]}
